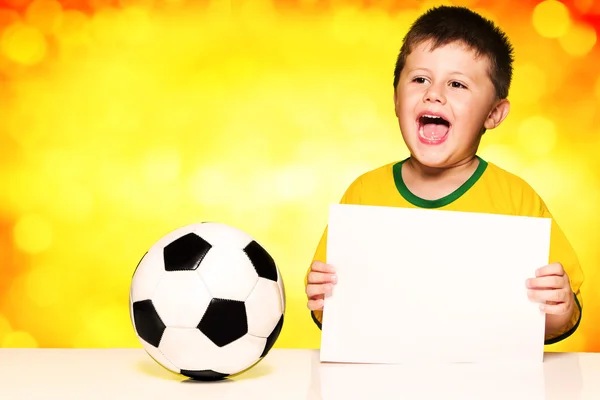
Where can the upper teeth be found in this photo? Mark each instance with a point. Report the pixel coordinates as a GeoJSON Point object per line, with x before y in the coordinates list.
{"type": "Point", "coordinates": [432, 116]}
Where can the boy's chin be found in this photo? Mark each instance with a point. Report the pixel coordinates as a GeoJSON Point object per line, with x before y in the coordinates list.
{"type": "Point", "coordinates": [432, 158]}
{"type": "Point", "coordinates": [430, 162]}
{"type": "Point", "coordinates": [439, 160]}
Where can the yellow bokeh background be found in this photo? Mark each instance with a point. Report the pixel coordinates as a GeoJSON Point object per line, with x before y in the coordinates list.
{"type": "Point", "coordinates": [123, 120]}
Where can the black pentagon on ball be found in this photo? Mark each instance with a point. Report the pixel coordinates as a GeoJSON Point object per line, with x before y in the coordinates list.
{"type": "Point", "coordinates": [272, 338]}
{"type": "Point", "coordinates": [224, 321]}
{"type": "Point", "coordinates": [148, 324]}
{"type": "Point", "coordinates": [261, 260]}
{"type": "Point", "coordinates": [185, 253]}
{"type": "Point", "coordinates": [204, 375]}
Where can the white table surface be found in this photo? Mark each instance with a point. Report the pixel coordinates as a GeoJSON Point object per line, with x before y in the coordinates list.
{"type": "Point", "coordinates": [288, 374]}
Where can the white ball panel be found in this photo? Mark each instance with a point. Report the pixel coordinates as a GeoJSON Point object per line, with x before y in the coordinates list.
{"type": "Point", "coordinates": [181, 299]}
{"type": "Point", "coordinates": [240, 354]}
{"type": "Point", "coordinates": [227, 273]}
{"type": "Point", "coordinates": [147, 276]}
{"type": "Point", "coordinates": [264, 308]}
{"type": "Point", "coordinates": [281, 289]}
{"type": "Point", "coordinates": [218, 234]}
{"type": "Point", "coordinates": [158, 356]}
{"type": "Point", "coordinates": [190, 349]}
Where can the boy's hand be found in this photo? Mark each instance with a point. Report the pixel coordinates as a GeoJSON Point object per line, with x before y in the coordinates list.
{"type": "Point", "coordinates": [551, 288]}
{"type": "Point", "coordinates": [321, 279]}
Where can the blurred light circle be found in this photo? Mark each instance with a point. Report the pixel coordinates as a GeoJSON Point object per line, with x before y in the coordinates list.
{"type": "Point", "coordinates": [579, 40]}
{"type": "Point", "coordinates": [23, 44]}
{"type": "Point", "coordinates": [551, 18]}
{"type": "Point", "coordinates": [32, 234]}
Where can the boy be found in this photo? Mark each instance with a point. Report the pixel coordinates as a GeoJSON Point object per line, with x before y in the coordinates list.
{"type": "Point", "coordinates": [451, 84]}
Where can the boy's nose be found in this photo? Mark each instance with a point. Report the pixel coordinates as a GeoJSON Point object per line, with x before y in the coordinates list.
{"type": "Point", "coordinates": [434, 95]}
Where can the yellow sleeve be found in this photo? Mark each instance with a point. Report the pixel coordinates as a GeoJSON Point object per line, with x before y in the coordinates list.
{"type": "Point", "coordinates": [351, 196]}
{"type": "Point", "coordinates": [562, 252]}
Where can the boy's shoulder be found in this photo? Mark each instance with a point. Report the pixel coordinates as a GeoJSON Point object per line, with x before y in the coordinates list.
{"type": "Point", "coordinates": [500, 182]}
{"type": "Point", "coordinates": [372, 181]}
{"type": "Point", "coordinates": [378, 174]}
{"type": "Point", "coordinates": [503, 177]}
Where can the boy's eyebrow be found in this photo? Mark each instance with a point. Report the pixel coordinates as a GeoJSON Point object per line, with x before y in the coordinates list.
{"type": "Point", "coordinates": [455, 72]}
{"type": "Point", "coordinates": [459, 73]}
{"type": "Point", "coordinates": [462, 74]}
{"type": "Point", "coordinates": [419, 69]}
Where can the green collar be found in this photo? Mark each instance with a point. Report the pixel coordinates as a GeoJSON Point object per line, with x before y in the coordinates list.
{"type": "Point", "coordinates": [423, 203]}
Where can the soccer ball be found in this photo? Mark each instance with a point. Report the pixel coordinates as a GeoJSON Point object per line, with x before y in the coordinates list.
{"type": "Point", "coordinates": [207, 301]}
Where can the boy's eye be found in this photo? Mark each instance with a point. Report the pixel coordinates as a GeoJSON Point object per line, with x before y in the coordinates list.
{"type": "Point", "coordinates": [457, 85]}
{"type": "Point", "coordinates": [419, 79]}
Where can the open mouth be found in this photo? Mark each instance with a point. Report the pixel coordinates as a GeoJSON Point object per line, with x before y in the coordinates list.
{"type": "Point", "coordinates": [433, 129]}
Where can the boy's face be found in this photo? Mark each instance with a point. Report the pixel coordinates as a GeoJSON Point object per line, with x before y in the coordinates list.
{"type": "Point", "coordinates": [443, 100]}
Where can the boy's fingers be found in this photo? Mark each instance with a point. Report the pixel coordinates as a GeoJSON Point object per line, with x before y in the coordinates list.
{"type": "Point", "coordinates": [546, 282]}
{"type": "Point", "coordinates": [318, 290]}
{"type": "Point", "coordinates": [556, 309]}
{"type": "Point", "coordinates": [553, 295]}
{"type": "Point", "coordinates": [551, 269]}
{"type": "Point", "coordinates": [321, 277]}
{"type": "Point", "coordinates": [315, 304]}
{"type": "Point", "coordinates": [320, 266]}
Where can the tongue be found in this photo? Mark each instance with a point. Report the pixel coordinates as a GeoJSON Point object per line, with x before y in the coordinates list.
{"type": "Point", "coordinates": [435, 131]}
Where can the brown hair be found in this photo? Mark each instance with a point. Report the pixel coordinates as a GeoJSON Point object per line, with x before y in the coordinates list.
{"type": "Point", "coordinates": [447, 24]}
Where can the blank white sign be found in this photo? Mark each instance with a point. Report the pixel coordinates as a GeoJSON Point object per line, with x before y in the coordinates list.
{"type": "Point", "coordinates": [432, 286]}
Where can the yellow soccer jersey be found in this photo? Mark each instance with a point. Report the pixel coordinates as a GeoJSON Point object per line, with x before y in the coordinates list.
{"type": "Point", "coordinates": [489, 190]}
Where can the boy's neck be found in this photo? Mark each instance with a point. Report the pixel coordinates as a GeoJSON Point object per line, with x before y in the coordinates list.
{"type": "Point", "coordinates": [423, 172]}
{"type": "Point", "coordinates": [434, 183]}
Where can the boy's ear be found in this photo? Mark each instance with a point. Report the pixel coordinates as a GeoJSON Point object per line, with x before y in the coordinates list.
{"type": "Point", "coordinates": [498, 114]}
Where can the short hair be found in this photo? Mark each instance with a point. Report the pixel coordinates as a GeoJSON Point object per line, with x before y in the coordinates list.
{"type": "Point", "coordinates": [447, 24]}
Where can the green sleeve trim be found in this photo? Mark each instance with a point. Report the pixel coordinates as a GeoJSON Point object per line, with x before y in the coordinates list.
{"type": "Point", "coordinates": [316, 321]}
{"type": "Point", "coordinates": [570, 331]}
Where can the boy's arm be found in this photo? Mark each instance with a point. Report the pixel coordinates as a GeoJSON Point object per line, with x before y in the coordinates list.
{"type": "Point", "coordinates": [320, 255]}
{"type": "Point", "coordinates": [352, 195]}
{"type": "Point", "coordinates": [562, 252]}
